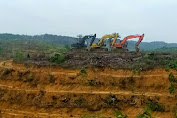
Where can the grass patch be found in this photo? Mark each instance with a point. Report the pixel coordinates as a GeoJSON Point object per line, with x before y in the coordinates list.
{"type": "Point", "coordinates": [19, 55]}
{"type": "Point", "coordinates": [146, 113]}
{"type": "Point", "coordinates": [33, 82]}
{"type": "Point", "coordinates": [119, 114]}
{"type": "Point", "coordinates": [29, 79]}
{"type": "Point", "coordinates": [173, 64]}
{"type": "Point", "coordinates": [155, 106]}
{"type": "Point", "coordinates": [82, 72]}
{"type": "Point", "coordinates": [172, 89]}
{"type": "Point", "coordinates": [57, 58]}
{"type": "Point", "coordinates": [172, 78]}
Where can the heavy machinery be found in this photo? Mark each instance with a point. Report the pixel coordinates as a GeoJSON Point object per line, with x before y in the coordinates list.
{"type": "Point", "coordinates": [123, 43]}
{"type": "Point", "coordinates": [81, 43]}
{"type": "Point", "coordinates": [100, 44]}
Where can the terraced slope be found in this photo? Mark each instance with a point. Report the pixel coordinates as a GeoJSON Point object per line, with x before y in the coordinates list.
{"type": "Point", "coordinates": [31, 91]}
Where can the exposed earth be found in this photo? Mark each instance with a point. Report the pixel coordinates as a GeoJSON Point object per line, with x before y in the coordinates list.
{"type": "Point", "coordinates": [88, 85]}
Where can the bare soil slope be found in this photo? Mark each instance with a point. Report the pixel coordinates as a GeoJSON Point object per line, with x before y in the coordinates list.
{"type": "Point", "coordinates": [33, 91]}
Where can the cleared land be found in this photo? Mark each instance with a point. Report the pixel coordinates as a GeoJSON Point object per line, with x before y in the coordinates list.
{"type": "Point", "coordinates": [53, 91]}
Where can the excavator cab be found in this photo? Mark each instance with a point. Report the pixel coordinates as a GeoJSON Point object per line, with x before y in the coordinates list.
{"type": "Point", "coordinates": [81, 43]}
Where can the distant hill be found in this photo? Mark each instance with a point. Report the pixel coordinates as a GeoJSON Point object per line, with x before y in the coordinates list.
{"type": "Point", "coordinates": [48, 38]}
{"type": "Point", "coordinates": [66, 40]}
{"type": "Point", "coordinates": [166, 49]}
{"type": "Point", "coordinates": [149, 46]}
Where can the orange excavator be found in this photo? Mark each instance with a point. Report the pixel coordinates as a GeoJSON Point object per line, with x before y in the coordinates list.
{"type": "Point", "coordinates": [123, 43]}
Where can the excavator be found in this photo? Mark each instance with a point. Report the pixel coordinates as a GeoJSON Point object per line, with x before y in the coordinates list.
{"type": "Point", "coordinates": [81, 43]}
{"type": "Point", "coordinates": [100, 44]}
{"type": "Point", "coordinates": [123, 43]}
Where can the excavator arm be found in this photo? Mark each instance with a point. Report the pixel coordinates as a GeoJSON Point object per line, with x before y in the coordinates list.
{"type": "Point", "coordinates": [139, 41]}
{"type": "Point", "coordinates": [100, 43]}
{"type": "Point", "coordinates": [123, 42]}
{"type": "Point", "coordinates": [115, 39]}
{"type": "Point", "coordinates": [129, 37]}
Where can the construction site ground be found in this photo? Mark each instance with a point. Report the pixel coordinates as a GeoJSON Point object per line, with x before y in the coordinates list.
{"type": "Point", "coordinates": [87, 84]}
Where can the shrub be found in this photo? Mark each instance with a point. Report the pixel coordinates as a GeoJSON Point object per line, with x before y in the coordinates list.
{"type": "Point", "coordinates": [146, 113]}
{"type": "Point", "coordinates": [57, 58]}
{"type": "Point", "coordinates": [82, 72]}
{"type": "Point", "coordinates": [150, 55]}
{"type": "Point", "coordinates": [19, 55]}
{"type": "Point", "coordinates": [51, 78]}
{"type": "Point", "coordinates": [111, 100]}
{"type": "Point", "coordinates": [113, 83]}
{"type": "Point", "coordinates": [172, 89]}
{"type": "Point", "coordinates": [119, 114]}
{"type": "Point", "coordinates": [173, 64]}
{"type": "Point", "coordinates": [171, 77]}
{"type": "Point", "coordinates": [67, 47]}
{"type": "Point", "coordinates": [7, 71]}
{"type": "Point", "coordinates": [79, 101]}
{"type": "Point", "coordinates": [134, 72]}
{"type": "Point", "coordinates": [29, 79]}
{"type": "Point", "coordinates": [155, 106]}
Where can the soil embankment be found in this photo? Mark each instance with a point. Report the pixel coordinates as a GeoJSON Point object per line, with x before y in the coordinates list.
{"type": "Point", "coordinates": [61, 92]}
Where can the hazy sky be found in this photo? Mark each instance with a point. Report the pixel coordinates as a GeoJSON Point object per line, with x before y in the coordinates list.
{"type": "Point", "coordinates": [156, 18]}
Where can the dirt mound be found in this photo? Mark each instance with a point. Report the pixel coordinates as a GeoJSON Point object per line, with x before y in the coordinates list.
{"type": "Point", "coordinates": [117, 60]}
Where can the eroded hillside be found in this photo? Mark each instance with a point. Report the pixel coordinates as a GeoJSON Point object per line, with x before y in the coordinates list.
{"type": "Point", "coordinates": [33, 91]}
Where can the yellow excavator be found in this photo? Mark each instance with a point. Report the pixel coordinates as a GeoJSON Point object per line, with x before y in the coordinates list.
{"type": "Point", "coordinates": [100, 44]}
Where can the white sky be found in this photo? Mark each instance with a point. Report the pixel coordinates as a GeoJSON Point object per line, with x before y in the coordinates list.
{"type": "Point", "coordinates": [156, 18]}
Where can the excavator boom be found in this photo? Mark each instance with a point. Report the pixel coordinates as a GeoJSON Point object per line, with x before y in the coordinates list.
{"type": "Point", "coordinates": [139, 41]}
{"type": "Point", "coordinates": [100, 43]}
{"type": "Point", "coordinates": [115, 39]}
{"type": "Point", "coordinates": [123, 42]}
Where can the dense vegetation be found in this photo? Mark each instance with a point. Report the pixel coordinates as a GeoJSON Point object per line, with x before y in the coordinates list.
{"type": "Point", "coordinates": [151, 46]}
{"type": "Point", "coordinates": [47, 38]}
{"type": "Point", "coordinates": [66, 40]}
{"type": "Point", "coordinates": [20, 48]}
{"type": "Point", "coordinates": [167, 49]}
